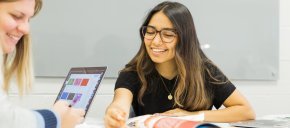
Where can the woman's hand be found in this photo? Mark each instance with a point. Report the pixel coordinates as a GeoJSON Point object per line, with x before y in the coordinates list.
{"type": "Point", "coordinates": [115, 117]}
{"type": "Point", "coordinates": [70, 117]}
{"type": "Point", "coordinates": [196, 115]}
{"type": "Point", "coordinates": [178, 112]}
{"type": "Point", "coordinates": [118, 111]}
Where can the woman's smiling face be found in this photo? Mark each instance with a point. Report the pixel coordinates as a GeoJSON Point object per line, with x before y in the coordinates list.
{"type": "Point", "coordinates": [159, 51]}
{"type": "Point", "coordinates": [14, 22]}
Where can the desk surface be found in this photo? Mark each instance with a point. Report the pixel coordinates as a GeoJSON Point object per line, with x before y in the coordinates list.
{"type": "Point", "coordinates": [269, 121]}
{"type": "Point", "coordinates": [98, 123]}
{"type": "Point", "coordinates": [92, 123]}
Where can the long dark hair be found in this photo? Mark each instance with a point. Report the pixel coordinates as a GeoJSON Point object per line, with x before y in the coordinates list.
{"type": "Point", "coordinates": [190, 93]}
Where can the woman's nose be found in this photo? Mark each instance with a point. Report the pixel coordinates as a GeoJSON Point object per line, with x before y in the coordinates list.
{"type": "Point", "coordinates": [24, 28]}
{"type": "Point", "coordinates": [157, 39]}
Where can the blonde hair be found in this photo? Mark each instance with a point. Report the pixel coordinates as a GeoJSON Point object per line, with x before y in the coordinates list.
{"type": "Point", "coordinates": [19, 62]}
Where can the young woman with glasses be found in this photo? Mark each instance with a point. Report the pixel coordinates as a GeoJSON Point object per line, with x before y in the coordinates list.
{"type": "Point", "coordinates": [171, 75]}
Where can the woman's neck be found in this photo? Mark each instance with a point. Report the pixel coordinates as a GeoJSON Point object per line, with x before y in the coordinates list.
{"type": "Point", "coordinates": [167, 70]}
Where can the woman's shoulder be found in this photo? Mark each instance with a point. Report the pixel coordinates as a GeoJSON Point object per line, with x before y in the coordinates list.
{"type": "Point", "coordinates": [211, 67]}
{"type": "Point", "coordinates": [128, 75]}
{"type": "Point", "coordinates": [213, 73]}
{"type": "Point", "coordinates": [128, 79]}
{"type": "Point", "coordinates": [128, 72]}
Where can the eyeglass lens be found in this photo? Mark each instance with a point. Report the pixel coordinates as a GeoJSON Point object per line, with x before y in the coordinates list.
{"type": "Point", "coordinates": [150, 33]}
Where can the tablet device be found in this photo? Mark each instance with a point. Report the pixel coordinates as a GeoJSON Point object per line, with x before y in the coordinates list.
{"type": "Point", "coordinates": [81, 85]}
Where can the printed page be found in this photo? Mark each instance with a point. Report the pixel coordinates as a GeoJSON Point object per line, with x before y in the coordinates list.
{"type": "Point", "coordinates": [159, 121]}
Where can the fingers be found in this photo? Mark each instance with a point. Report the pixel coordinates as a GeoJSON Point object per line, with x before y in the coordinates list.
{"type": "Point", "coordinates": [61, 107]}
{"type": "Point", "coordinates": [176, 112]}
{"type": "Point", "coordinates": [173, 112]}
{"type": "Point", "coordinates": [79, 115]}
{"type": "Point", "coordinates": [119, 115]}
{"type": "Point", "coordinates": [80, 112]}
{"type": "Point", "coordinates": [115, 118]}
{"type": "Point", "coordinates": [113, 123]}
{"type": "Point", "coordinates": [72, 117]}
{"type": "Point", "coordinates": [167, 113]}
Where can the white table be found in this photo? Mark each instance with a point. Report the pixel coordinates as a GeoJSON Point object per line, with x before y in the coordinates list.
{"type": "Point", "coordinates": [92, 123]}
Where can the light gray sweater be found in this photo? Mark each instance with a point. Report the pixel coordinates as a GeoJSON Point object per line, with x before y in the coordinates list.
{"type": "Point", "coordinates": [12, 116]}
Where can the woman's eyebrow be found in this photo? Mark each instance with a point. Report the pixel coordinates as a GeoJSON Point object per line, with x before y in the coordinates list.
{"type": "Point", "coordinates": [161, 28]}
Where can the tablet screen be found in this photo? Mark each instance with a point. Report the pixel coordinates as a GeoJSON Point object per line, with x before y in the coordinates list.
{"type": "Point", "coordinates": [81, 85]}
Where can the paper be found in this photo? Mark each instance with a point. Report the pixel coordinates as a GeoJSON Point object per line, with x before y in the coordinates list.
{"type": "Point", "coordinates": [160, 121]}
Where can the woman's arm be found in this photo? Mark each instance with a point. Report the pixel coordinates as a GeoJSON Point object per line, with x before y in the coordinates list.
{"type": "Point", "coordinates": [118, 111]}
{"type": "Point", "coordinates": [237, 109]}
{"type": "Point", "coordinates": [16, 117]}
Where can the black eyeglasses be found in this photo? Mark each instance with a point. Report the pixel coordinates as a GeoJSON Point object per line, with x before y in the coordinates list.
{"type": "Point", "coordinates": [167, 34]}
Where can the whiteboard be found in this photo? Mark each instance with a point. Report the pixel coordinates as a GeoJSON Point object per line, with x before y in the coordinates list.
{"type": "Point", "coordinates": [240, 36]}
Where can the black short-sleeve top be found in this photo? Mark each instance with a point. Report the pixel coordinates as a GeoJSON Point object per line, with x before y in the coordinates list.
{"type": "Point", "coordinates": [155, 98]}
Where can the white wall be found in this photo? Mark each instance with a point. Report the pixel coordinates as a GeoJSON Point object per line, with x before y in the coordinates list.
{"type": "Point", "coordinates": [267, 97]}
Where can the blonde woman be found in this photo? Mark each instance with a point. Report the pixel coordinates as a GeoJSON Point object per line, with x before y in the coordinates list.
{"type": "Point", "coordinates": [171, 75]}
{"type": "Point", "coordinates": [15, 61]}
